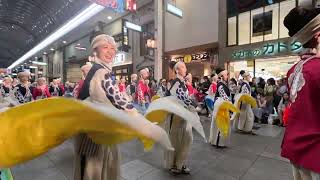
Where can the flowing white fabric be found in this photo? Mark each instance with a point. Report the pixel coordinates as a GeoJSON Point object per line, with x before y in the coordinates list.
{"type": "Point", "coordinates": [171, 105]}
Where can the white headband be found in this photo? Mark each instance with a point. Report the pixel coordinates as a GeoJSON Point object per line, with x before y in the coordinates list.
{"type": "Point", "coordinates": [246, 74]}
{"type": "Point", "coordinates": [176, 66]}
{"type": "Point", "coordinates": [24, 73]}
{"type": "Point", "coordinates": [145, 69]}
{"type": "Point", "coordinates": [102, 39]}
{"type": "Point", "coordinates": [308, 31]}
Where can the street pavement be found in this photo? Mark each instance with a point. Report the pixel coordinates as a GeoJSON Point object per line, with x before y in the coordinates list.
{"type": "Point", "coordinates": [248, 158]}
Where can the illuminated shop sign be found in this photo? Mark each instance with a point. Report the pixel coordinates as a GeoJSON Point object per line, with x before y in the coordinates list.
{"type": "Point", "coordinates": [192, 57]}
{"type": "Point", "coordinates": [174, 10]}
{"type": "Point", "coordinates": [118, 6]}
{"type": "Point", "coordinates": [269, 49]}
{"type": "Point", "coordinates": [122, 58]}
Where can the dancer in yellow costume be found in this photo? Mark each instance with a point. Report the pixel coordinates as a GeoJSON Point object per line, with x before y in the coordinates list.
{"type": "Point", "coordinates": [178, 112]}
{"type": "Point", "coordinates": [101, 122]}
{"type": "Point", "coordinates": [217, 138]}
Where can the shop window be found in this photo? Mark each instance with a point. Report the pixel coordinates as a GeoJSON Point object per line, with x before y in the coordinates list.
{"type": "Point", "coordinates": [118, 71]}
{"type": "Point", "coordinates": [244, 28]}
{"type": "Point", "coordinates": [232, 31]}
{"type": "Point", "coordinates": [260, 25]}
{"type": "Point", "coordinates": [148, 34]}
{"type": "Point", "coordinates": [274, 10]}
{"type": "Point", "coordinates": [285, 8]}
{"type": "Point", "coordinates": [305, 3]}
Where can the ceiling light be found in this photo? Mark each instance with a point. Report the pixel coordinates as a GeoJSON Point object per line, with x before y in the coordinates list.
{"type": "Point", "coordinates": [64, 42]}
{"type": "Point", "coordinates": [33, 67]}
{"type": "Point", "coordinates": [83, 16]}
{"type": "Point", "coordinates": [52, 49]}
{"type": "Point", "coordinates": [45, 53]}
{"type": "Point", "coordinates": [79, 44]}
{"type": "Point", "coordinates": [36, 57]}
{"type": "Point", "coordinates": [109, 17]}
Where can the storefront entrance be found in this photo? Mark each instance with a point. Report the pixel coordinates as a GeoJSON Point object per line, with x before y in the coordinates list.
{"type": "Point", "coordinates": [266, 68]}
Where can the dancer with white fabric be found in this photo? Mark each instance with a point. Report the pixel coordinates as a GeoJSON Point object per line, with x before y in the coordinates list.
{"type": "Point", "coordinates": [179, 130]}
{"type": "Point", "coordinates": [216, 138]}
{"type": "Point", "coordinates": [245, 120]}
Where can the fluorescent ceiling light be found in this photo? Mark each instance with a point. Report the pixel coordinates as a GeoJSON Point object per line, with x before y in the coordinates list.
{"type": "Point", "coordinates": [33, 67]}
{"type": "Point", "coordinates": [109, 17]}
{"type": "Point", "coordinates": [39, 63]}
{"type": "Point", "coordinates": [52, 49]}
{"type": "Point", "coordinates": [45, 53]}
{"type": "Point", "coordinates": [83, 16]}
{"type": "Point", "coordinates": [132, 26]}
{"type": "Point", "coordinates": [64, 42]}
{"type": "Point", "coordinates": [174, 10]}
{"type": "Point", "coordinates": [14, 74]}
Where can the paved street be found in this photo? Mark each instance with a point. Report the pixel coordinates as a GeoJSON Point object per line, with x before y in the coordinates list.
{"type": "Point", "coordinates": [248, 158]}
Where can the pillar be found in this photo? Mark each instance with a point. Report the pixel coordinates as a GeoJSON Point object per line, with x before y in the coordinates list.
{"type": "Point", "coordinates": [159, 36]}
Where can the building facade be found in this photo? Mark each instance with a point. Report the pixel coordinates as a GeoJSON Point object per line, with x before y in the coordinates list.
{"type": "Point", "coordinates": [192, 38]}
{"type": "Point", "coordinates": [253, 37]}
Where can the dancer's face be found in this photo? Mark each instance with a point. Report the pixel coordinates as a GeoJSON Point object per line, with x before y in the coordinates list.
{"type": "Point", "coordinates": [182, 70]}
{"type": "Point", "coordinates": [24, 79]}
{"type": "Point", "coordinates": [106, 52]}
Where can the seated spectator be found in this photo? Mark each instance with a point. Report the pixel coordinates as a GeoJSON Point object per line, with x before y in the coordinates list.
{"type": "Point", "coordinates": [262, 111]}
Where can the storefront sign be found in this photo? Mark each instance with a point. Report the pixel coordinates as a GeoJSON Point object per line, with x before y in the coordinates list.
{"type": "Point", "coordinates": [116, 5]}
{"type": "Point", "coordinates": [122, 58]}
{"type": "Point", "coordinates": [192, 57]}
{"type": "Point", "coordinates": [269, 49]}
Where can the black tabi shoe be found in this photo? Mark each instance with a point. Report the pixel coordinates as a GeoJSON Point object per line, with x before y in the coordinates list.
{"type": "Point", "coordinates": [175, 171]}
{"type": "Point", "coordinates": [185, 170]}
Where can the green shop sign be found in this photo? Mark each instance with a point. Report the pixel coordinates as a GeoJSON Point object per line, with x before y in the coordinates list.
{"type": "Point", "coordinates": [269, 49]}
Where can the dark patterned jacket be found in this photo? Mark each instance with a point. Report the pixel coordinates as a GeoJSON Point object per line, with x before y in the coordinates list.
{"type": "Point", "coordinates": [179, 89]}
{"type": "Point", "coordinates": [5, 91]}
{"type": "Point", "coordinates": [245, 88]}
{"type": "Point", "coordinates": [99, 86]}
{"type": "Point", "coordinates": [23, 94]}
{"type": "Point", "coordinates": [223, 91]}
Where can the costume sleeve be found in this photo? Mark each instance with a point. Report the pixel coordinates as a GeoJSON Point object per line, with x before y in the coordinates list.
{"type": "Point", "coordinates": [223, 93]}
{"type": "Point", "coordinates": [128, 90]}
{"type": "Point", "coordinates": [141, 98]}
{"type": "Point", "coordinates": [47, 92]}
{"type": "Point", "coordinates": [62, 89]}
{"type": "Point", "coordinates": [102, 88]}
{"type": "Point", "coordinates": [76, 91]}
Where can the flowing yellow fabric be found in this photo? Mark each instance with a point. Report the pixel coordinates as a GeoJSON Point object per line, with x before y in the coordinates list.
{"type": "Point", "coordinates": [29, 130]}
{"type": "Point", "coordinates": [246, 99]}
{"type": "Point", "coordinates": [155, 97]}
{"type": "Point", "coordinates": [221, 113]}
